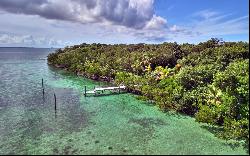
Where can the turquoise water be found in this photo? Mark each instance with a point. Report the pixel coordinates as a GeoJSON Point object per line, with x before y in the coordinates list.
{"type": "Point", "coordinates": [115, 124]}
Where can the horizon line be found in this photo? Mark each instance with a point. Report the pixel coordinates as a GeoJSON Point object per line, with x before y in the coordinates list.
{"type": "Point", "coordinates": [114, 44]}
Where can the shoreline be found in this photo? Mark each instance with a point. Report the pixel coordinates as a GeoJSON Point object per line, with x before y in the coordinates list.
{"type": "Point", "coordinates": [186, 78]}
{"type": "Point", "coordinates": [137, 92]}
{"type": "Point", "coordinates": [98, 79]}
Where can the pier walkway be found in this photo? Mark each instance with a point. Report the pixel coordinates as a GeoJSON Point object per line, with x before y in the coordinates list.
{"type": "Point", "coordinates": [99, 90]}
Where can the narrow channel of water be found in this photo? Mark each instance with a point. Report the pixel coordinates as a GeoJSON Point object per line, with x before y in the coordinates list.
{"type": "Point", "coordinates": [116, 124]}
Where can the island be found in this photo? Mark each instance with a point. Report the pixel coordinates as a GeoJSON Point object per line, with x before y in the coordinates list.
{"type": "Point", "coordinates": [208, 81]}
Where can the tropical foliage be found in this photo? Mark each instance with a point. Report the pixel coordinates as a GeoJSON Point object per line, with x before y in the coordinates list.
{"type": "Point", "coordinates": [209, 81]}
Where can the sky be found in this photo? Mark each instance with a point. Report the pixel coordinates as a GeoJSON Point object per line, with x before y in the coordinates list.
{"type": "Point", "coordinates": [60, 23]}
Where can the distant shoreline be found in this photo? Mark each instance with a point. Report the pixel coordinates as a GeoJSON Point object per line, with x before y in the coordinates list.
{"type": "Point", "coordinates": [32, 47]}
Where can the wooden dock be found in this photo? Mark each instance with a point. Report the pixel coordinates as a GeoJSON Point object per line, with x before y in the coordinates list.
{"type": "Point", "coordinates": [100, 90]}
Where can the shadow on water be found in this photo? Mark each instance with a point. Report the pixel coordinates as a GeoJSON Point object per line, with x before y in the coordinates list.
{"type": "Point", "coordinates": [81, 80]}
{"type": "Point", "coordinates": [218, 132]}
{"type": "Point", "coordinates": [246, 146]}
{"type": "Point", "coordinates": [176, 114]}
{"type": "Point", "coordinates": [106, 94]}
{"type": "Point", "coordinates": [58, 73]}
{"type": "Point", "coordinates": [213, 129]}
{"type": "Point", "coordinates": [236, 144]}
{"type": "Point", "coordinates": [147, 122]}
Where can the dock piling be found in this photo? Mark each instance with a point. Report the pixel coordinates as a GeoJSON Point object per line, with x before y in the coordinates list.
{"type": "Point", "coordinates": [42, 83]}
{"type": "Point", "coordinates": [85, 90]}
{"type": "Point", "coordinates": [55, 100]}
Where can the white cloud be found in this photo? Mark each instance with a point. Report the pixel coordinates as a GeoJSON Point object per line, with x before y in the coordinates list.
{"type": "Point", "coordinates": [206, 14]}
{"type": "Point", "coordinates": [130, 16]}
{"type": "Point", "coordinates": [156, 22]}
{"type": "Point", "coordinates": [27, 40]}
{"type": "Point", "coordinates": [129, 13]}
{"type": "Point", "coordinates": [206, 24]}
{"type": "Point", "coordinates": [174, 28]}
{"type": "Point", "coordinates": [220, 25]}
{"type": "Point", "coordinates": [52, 22]}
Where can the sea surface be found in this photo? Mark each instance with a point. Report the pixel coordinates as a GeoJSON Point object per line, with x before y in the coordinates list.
{"type": "Point", "coordinates": [111, 124]}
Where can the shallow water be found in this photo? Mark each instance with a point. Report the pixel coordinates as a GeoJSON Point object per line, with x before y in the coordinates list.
{"type": "Point", "coordinates": [115, 124]}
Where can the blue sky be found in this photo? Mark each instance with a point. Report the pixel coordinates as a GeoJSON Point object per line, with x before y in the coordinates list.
{"type": "Point", "coordinates": [58, 23]}
{"type": "Point", "coordinates": [180, 12]}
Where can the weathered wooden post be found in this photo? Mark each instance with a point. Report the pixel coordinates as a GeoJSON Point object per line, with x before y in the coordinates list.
{"type": "Point", "coordinates": [42, 83]}
{"type": "Point", "coordinates": [119, 89]}
{"type": "Point", "coordinates": [85, 91]}
{"type": "Point", "coordinates": [43, 89]}
{"type": "Point", "coordinates": [55, 100]}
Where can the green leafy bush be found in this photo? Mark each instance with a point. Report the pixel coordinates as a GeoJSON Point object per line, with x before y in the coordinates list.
{"type": "Point", "coordinates": [209, 80]}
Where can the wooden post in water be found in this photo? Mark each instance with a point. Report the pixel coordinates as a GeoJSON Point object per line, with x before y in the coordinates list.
{"type": "Point", "coordinates": [55, 100]}
{"type": "Point", "coordinates": [94, 90]}
{"type": "Point", "coordinates": [55, 104]}
{"type": "Point", "coordinates": [43, 89]}
{"type": "Point", "coordinates": [42, 83]}
{"type": "Point", "coordinates": [119, 89]}
{"type": "Point", "coordinates": [85, 90]}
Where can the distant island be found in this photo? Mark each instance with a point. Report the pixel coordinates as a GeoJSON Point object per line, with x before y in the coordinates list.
{"type": "Point", "coordinates": [209, 80]}
{"type": "Point", "coordinates": [32, 47]}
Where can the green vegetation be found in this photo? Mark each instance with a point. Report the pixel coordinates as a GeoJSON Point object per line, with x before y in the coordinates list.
{"type": "Point", "coordinates": [209, 81]}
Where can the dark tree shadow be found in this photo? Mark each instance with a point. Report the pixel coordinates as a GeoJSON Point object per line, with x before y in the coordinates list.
{"type": "Point", "coordinates": [218, 131]}
{"type": "Point", "coordinates": [246, 146]}
{"type": "Point", "coordinates": [105, 94]}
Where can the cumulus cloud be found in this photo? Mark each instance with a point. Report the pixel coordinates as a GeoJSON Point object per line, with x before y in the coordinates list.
{"type": "Point", "coordinates": [135, 14]}
{"type": "Point", "coordinates": [156, 22]}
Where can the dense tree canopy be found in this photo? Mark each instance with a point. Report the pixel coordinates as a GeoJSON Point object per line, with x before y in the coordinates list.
{"type": "Point", "coordinates": [209, 80]}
